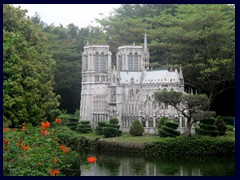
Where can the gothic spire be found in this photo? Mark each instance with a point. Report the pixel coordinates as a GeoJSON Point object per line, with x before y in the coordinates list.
{"type": "Point", "coordinates": [146, 55]}
{"type": "Point", "coordinates": [180, 73]}
{"type": "Point", "coordinates": [145, 44]}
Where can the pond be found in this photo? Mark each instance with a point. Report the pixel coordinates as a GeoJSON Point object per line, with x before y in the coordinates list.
{"type": "Point", "coordinates": [132, 165]}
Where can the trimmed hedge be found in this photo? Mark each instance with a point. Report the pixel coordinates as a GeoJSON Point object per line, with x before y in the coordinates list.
{"type": "Point", "coordinates": [171, 131]}
{"type": "Point", "coordinates": [168, 129]}
{"type": "Point", "coordinates": [191, 146]}
{"type": "Point", "coordinates": [207, 127]}
{"type": "Point", "coordinates": [100, 126]}
{"type": "Point", "coordinates": [113, 120]}
{"type": "Point", "coordinates": [184, 146]}
{"type": "Point", "coordinates": [111, 132]}
{"type": "Point", "coordinates": [84, 127]}
{"type": "Point", "coordinates": [171, 125]}
{"type": "Point", "coordinates": [72, 125]}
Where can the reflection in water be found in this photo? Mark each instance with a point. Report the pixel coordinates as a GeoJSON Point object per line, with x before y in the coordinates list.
{"type": "Point", "coordinates": [126, 165]}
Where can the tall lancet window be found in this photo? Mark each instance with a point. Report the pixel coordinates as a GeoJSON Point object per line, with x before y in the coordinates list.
{"type": "Point", "coordinates": [100, 62]}
{"type": "Point", "coordinates": [130, 61]}
{"type": "Point", "coordinates": [120, 62]}
{"type": "Point", "coordinates": [135, 57]}
{"type": "Point", "coordinates": [97, 62]}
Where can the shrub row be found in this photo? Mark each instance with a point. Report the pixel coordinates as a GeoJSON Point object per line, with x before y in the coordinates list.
{"type": "Point", "coordinates": [180, 146]}
{"type": "Point", "coordinates": [192, 146]}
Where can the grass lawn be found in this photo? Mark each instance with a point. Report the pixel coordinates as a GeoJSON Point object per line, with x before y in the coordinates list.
{"type": "Point", "coordinates": [126, 137]}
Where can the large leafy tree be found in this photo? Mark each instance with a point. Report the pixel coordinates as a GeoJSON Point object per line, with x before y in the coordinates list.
{"type": "Point", "coordinates": [201, 37]}
{"type": "Point", "coordinates": [28, 68]}
{"type": "Point", "coordinates": [193, 107]}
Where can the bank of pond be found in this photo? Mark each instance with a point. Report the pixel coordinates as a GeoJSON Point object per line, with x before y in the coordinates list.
{"type": "Point", "coordinates": [193, 146]}
{"type": "Point", "coordinates": [152, 155]}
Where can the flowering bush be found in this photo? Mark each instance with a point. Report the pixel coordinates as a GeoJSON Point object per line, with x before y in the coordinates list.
{"type": "Point", "coordinates": [34, 151]}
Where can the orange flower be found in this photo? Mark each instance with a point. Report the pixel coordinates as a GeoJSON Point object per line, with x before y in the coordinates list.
{"type": "Point", "coordinates": [45, 125]}
{"type": "Point", "coordinates": [14, 130]}
{"type": "Point", "coordinates": [19, 142]}
{"type": "Point", "coordinates": [25, 148]}
{"type": "Point", "coordinates": [44, 132]}
{"type": "Point", "coordinates": [6, 141]}
{"type": "Point", "coordinates": [91, 160]}
{"type": "Point", "coordinates": [54, 173]}
{"type": "Point", "coordinates": [6, 129]}
{"type": "Point", "coordinates": [6, 148]}
{"type": "Point", "coordinates": [58, 120]}
{"type": "Point", "coordinates": [55, 160]}
{"type": "Point", "coordinates": [64, 149]}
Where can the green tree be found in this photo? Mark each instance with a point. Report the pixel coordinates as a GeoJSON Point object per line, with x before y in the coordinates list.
{"type": "Point", "coordinates": [27, 71]}
{"type": "Point", "coordinates": [201, 37]}
{"type": "Point", "coordinates": [193, 107]}
{"type": "Point", "coordinates": [136, 128]}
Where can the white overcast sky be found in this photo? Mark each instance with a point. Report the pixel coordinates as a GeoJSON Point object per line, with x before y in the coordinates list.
{"type": "Point", "coordinates": [80, 15]}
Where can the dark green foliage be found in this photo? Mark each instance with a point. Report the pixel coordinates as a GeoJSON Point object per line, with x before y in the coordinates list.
{"type": "Point", "coordinates": [113, 120]}
{"type": "Point", "coordinates": [229, 127]}
{"type": "Point", "coordinates": [85, 122]}
{"type": "Point", "coordinates": [168, 129]}
{"type": "Point", "coordinates": [113, 126]}
{"type": "Point", "coordinates": [102, 123]}
{"type": "Point", "coordinates": [84, 127]}
{"type": "Point", "coordinates": [136, 128]}
{"type": "Point", "coordinates": [171, 125]}
{"type": "Point", "coordinates": [207, 127]}
{"type": "Point", "coordinates": [228, 120]}
{"type": "Point", "coordinates": [220, 125]}
{"type": "Point", "coordinates": [100, 126]}
{"type": "Point", "coordinates": [191, 146]}
{"type": "Point", "coordinates": [162, 120]}
{"type": "Point", "coordinates": [72, 125]}
{"type": "Point", "coordinates": [110, 132]}
{"type": "Point", "coordinates": [28, 71]}
{"type": "Point", "coordinates": [171, 131]}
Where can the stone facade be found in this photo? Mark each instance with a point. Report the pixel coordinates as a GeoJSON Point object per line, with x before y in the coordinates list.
{"type": "Point", "coordinates": [127, 90]}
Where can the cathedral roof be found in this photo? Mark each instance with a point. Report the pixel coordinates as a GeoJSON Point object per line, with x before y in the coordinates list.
{"type": "Point", "coordinates": [153, 76]}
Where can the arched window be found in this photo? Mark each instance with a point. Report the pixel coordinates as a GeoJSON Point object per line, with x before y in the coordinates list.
{"type": "Point", "coordinates": [120, 62]}
{"type": "Point", "coordinates": [100, 62]}
{"type": "Point", "coordinates": [135, 61]}
{"type": "Point", "coordinates": [130, 61]}
{"type": "Point", "coordinates": [97, 62]}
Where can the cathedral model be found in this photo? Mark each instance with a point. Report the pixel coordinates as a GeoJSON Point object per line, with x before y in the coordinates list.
{"type": "Point", "coordinates": [127, 90]}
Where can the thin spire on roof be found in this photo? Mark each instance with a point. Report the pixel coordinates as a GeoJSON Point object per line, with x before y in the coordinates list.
{"type": "Point", "coordinates": [180, 72]}
{"type": "Point", "coordinates": [145, 49]}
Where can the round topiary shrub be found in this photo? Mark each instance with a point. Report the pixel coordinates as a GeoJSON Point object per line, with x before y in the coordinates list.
{"type": "Point", "coordinates": [168, 128]}
{"type": "Point", "coordinates": [220, 125]}
{"type": "Point", "coordinates": [113, 120]}
{"type": "Point", "coordinates": [136, 129]}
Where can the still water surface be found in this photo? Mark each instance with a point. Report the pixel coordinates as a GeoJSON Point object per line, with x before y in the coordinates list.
{"type": "Point", "coordinates": [132, 165]}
